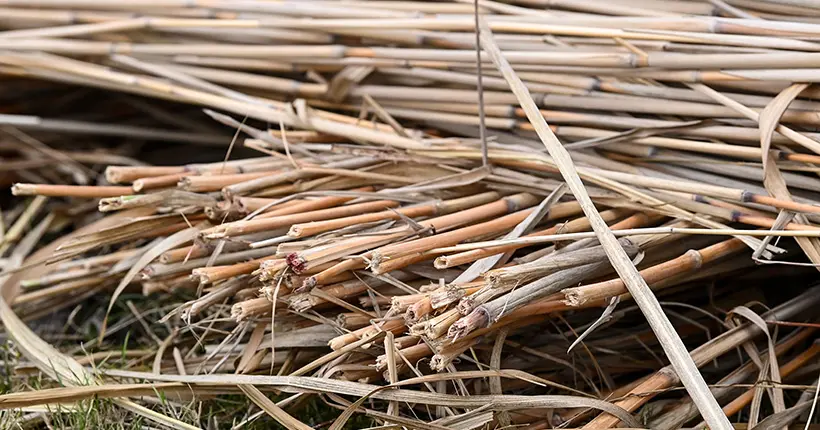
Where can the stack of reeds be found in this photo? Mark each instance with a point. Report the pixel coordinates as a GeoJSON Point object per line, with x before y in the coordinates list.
{"type": "Point", "coordinates": [609, 214]}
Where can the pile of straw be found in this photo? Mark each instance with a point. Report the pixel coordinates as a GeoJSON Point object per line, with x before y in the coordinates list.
{"type": "Point", "coordinates": [607, 215]}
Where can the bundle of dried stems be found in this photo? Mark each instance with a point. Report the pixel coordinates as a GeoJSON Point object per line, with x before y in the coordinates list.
{"type": "Point", "coordinates": [364, 202]}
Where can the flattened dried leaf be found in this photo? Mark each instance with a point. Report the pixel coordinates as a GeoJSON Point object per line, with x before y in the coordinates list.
{"type": "Point", "coordinates": [772, 177]}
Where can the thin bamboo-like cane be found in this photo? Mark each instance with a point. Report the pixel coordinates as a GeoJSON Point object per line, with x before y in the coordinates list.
{"type": "Point", "coordinates": [572, 226]}
{"type": "Point", "coordinates": [691, 260]}
{"type": "Point", "coordinates": [69, 190]}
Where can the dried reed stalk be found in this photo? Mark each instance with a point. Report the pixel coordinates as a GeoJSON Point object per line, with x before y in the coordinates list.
{"type": "Point", "coordinates": [350, 194]}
